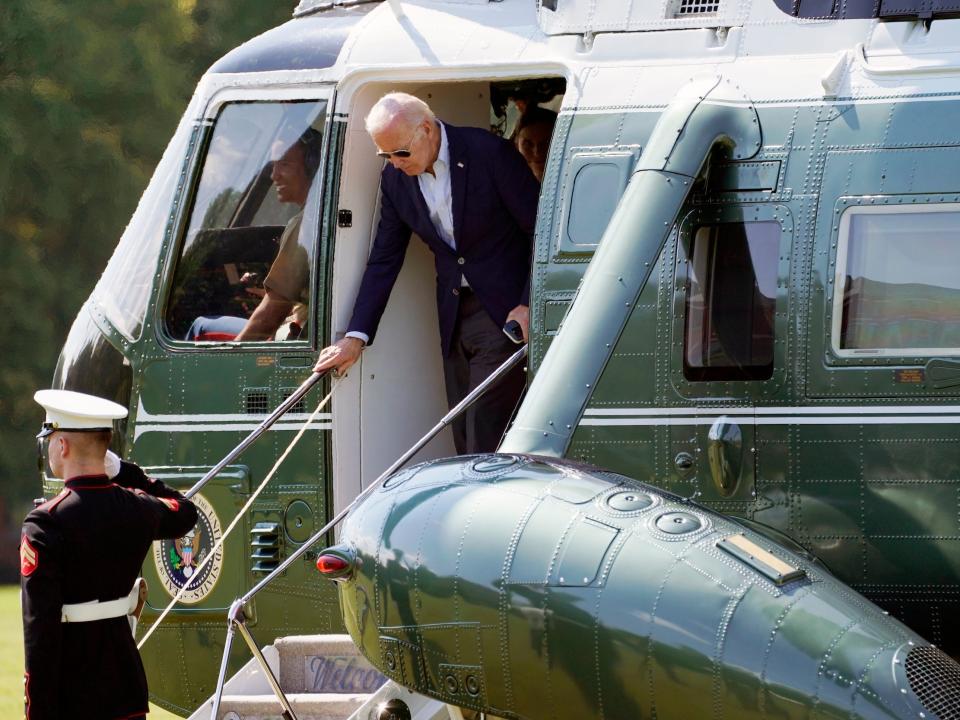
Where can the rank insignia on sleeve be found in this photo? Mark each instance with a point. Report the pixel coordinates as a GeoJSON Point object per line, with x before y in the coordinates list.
{"type": "Point", "coordinates": [29, 559]}
{"type": "Point", "coordinates": [170, 503]}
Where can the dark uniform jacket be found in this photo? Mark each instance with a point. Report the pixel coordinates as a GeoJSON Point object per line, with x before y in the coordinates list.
{"type": "Point", "coordinates": [89, 543]}
{"type": "Point", "coordinates": [494, 199]}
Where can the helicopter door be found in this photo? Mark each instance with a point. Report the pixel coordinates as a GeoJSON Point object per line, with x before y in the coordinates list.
{"type": "Point", "coordinates": [728, 352]}
{"type": "Point", "coordinates": [237, 326]}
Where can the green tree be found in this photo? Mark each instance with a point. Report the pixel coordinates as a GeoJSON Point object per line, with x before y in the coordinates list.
{"type": "Point", "coordinates": [90, 93]}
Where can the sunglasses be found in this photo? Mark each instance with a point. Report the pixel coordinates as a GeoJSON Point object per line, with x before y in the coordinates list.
{"type": "Point", "coordinates": [403, 152]}
{"type": "Point", "coordinates": [393, 154]}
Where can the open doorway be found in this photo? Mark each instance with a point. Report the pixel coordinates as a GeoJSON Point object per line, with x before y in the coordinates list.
{"type": "Point", "coordinates": [396, 391]}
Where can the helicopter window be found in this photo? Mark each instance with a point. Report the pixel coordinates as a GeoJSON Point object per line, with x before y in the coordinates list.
{"type": "Point", "coordinates": [898, 282]}
{"type": "Point", "coordinates": [124, 288]}
{"type": "Point", "coordinates": [731, 297]}
{"type": "Point", "coordinates": [245, 263]}
{"type": "Point", "coordinates": [599, 180]}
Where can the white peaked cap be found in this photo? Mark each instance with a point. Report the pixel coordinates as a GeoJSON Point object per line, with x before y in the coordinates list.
{"type": "Point", "coordinates": [68, 410]}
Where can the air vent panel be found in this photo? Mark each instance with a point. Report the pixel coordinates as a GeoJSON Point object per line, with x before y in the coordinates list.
{"type": "Point", "coordinates": [935, 679]}
{"type": "Point", "coordinates": [692, 8]}
{"type": "Point", "coordinates": [256, 401]}
{"type": "Point", "coordinates": [299, 406]}
{"type": "Point", "coordinates": [265, 546]}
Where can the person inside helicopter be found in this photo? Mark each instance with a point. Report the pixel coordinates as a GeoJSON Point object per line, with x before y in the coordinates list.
{"type": "Point", "coordinates": [532, 135]}
{"type": "Point", "coordinates": [282, 310]}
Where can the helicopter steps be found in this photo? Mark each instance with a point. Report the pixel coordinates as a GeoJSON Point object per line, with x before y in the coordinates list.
{"type": "Point", "coordinates": [324, 677]}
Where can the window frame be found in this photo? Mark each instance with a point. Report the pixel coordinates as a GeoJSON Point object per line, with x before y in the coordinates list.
{"type": "Point", "coordinates": [315, 206]}
{"type": "Point", "coordinates": [175, 164]}
{"type": "Point", "coordinates": [755, 389]}
{"type": "Point", "coordinates": [623, 158]}
{"type": "Point", "coordinates": [849, 208]}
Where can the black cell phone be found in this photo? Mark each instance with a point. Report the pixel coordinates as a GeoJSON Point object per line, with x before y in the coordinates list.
{"type": "Point", "coordinates": [513, 331]}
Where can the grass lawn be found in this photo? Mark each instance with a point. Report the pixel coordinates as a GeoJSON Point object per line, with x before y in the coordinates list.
{"type": "Point", "coordinates": [11, 659]}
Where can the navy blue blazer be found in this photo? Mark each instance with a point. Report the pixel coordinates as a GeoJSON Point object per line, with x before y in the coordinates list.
{"type": "Point", "coordinates": [495, 199]}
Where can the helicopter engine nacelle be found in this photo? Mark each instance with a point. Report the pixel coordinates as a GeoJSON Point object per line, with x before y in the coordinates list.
{"type": "Point", "coordinates": [532, 587]}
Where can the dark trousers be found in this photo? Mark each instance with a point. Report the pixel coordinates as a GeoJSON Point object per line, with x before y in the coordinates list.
{"type": "Point", "coordinates": [478, 348]}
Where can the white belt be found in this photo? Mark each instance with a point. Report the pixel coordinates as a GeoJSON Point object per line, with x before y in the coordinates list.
{"type": "Point", "coordinates": [93, 610]}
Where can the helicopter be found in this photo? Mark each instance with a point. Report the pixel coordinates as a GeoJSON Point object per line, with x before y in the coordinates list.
{"type": "Point", "coordinates": [744, 316]}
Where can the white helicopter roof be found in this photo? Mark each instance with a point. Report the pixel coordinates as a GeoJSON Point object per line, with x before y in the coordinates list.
{"type": "Point", "coordinates": [781, 56]}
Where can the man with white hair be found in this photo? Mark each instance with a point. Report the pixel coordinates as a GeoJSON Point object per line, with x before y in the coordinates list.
{"type": "Point", "coordinates": [472, 199]}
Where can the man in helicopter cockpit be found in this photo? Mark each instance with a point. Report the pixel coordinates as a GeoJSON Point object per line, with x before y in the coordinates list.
{"type": "Point", "coordinates": [282, 313]}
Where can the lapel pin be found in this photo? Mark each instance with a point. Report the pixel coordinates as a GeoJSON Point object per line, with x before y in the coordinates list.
{"type": "Point", "coordinates": [459, 164]}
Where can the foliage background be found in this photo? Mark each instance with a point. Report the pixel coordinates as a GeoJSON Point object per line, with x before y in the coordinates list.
{"type": "Point", "coordinates": [90, 93]}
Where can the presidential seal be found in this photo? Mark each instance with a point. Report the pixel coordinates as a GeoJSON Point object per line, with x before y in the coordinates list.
{"type": "Point", "coordinates": [183, 561]}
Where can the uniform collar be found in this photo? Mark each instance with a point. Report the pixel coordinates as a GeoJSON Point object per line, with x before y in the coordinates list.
{"type": "Point", "coordinates": [88, 481]}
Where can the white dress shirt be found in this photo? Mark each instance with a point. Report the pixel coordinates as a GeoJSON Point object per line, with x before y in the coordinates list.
{"type": "Point", "coordinates": [437, 193]}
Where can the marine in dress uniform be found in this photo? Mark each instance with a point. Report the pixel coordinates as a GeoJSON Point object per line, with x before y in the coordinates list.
{"type": "Point", "coordinates": [80, 557]}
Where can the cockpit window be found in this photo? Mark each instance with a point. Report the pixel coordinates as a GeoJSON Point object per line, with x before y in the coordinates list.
{"type": "Point", "coordinates": [244, 268]}
{"type": "Point", "coordinates": [731, 302]}
{"type": "Point", "coordinates": [123, 290]}
{"type": "Point", "coordinates": [898, 282]}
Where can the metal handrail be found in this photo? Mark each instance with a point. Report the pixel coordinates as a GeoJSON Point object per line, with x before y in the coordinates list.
{"type": "Point", "coordinates": [236, 619]}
